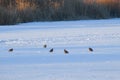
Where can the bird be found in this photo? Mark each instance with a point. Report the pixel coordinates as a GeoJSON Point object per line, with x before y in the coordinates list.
{"type": "Point", "coordinates": [90, 49]}
{"type": "Point", "coordinates": [44, 45]}
{"type": "Point", "coordinates": [65, 51]}
{"type": "Point", "coordinates": [10, 50]}
{"type": "Point", "coordinates": [51, 50]}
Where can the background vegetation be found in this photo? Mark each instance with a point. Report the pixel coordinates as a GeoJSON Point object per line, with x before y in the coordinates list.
{"type": "Point", "coordinates": [21, 11]}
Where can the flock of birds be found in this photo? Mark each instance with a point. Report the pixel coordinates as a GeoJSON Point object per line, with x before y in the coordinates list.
{"type": "Point", "coordinates": [51, 50]}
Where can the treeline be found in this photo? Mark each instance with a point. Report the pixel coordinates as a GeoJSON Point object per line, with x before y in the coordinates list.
{"type": "Point", "coordinates": [21, 11]}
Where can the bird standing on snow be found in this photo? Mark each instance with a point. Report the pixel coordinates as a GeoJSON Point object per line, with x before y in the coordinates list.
{"type": "Point", "coordinates": [10, 50]}
{"type": "Point", "coordinates": [51, 50]}
{"type": "Point", "coordinates": [65, 51]}
{"type": "Point", "coordinates": [44, 45]}
{"type": "Point", "coordinates": [90, 49]}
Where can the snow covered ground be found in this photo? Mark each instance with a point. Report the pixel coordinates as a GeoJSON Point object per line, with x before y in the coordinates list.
{"type": "Point", "coordinates": [30, 61]}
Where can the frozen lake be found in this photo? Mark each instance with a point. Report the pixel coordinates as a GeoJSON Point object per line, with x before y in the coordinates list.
{"type": "Point", "coordinates": [30, 61]}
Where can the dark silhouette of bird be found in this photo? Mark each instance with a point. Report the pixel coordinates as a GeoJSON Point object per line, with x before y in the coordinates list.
{"type": "Point", "coordinates": [65, 51]}
{"type": "Point", "coordinates": [44, 45]}
{"type": "Point", "coordinates": [51, 50]}
{"type": "Point", "coordinates": [90, 49]}
{"type": "Point", "coordinates": [10, 50]}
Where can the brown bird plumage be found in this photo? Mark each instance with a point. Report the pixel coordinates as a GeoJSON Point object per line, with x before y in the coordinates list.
{"type": "Point", "coordinates": [51, 50]}
{"type": "Point", "coordinates": [65, 51]}
{"type": "Point", "coordinates": [90, 49]}
{"type": "Point", "coordinates": [10, 50]}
